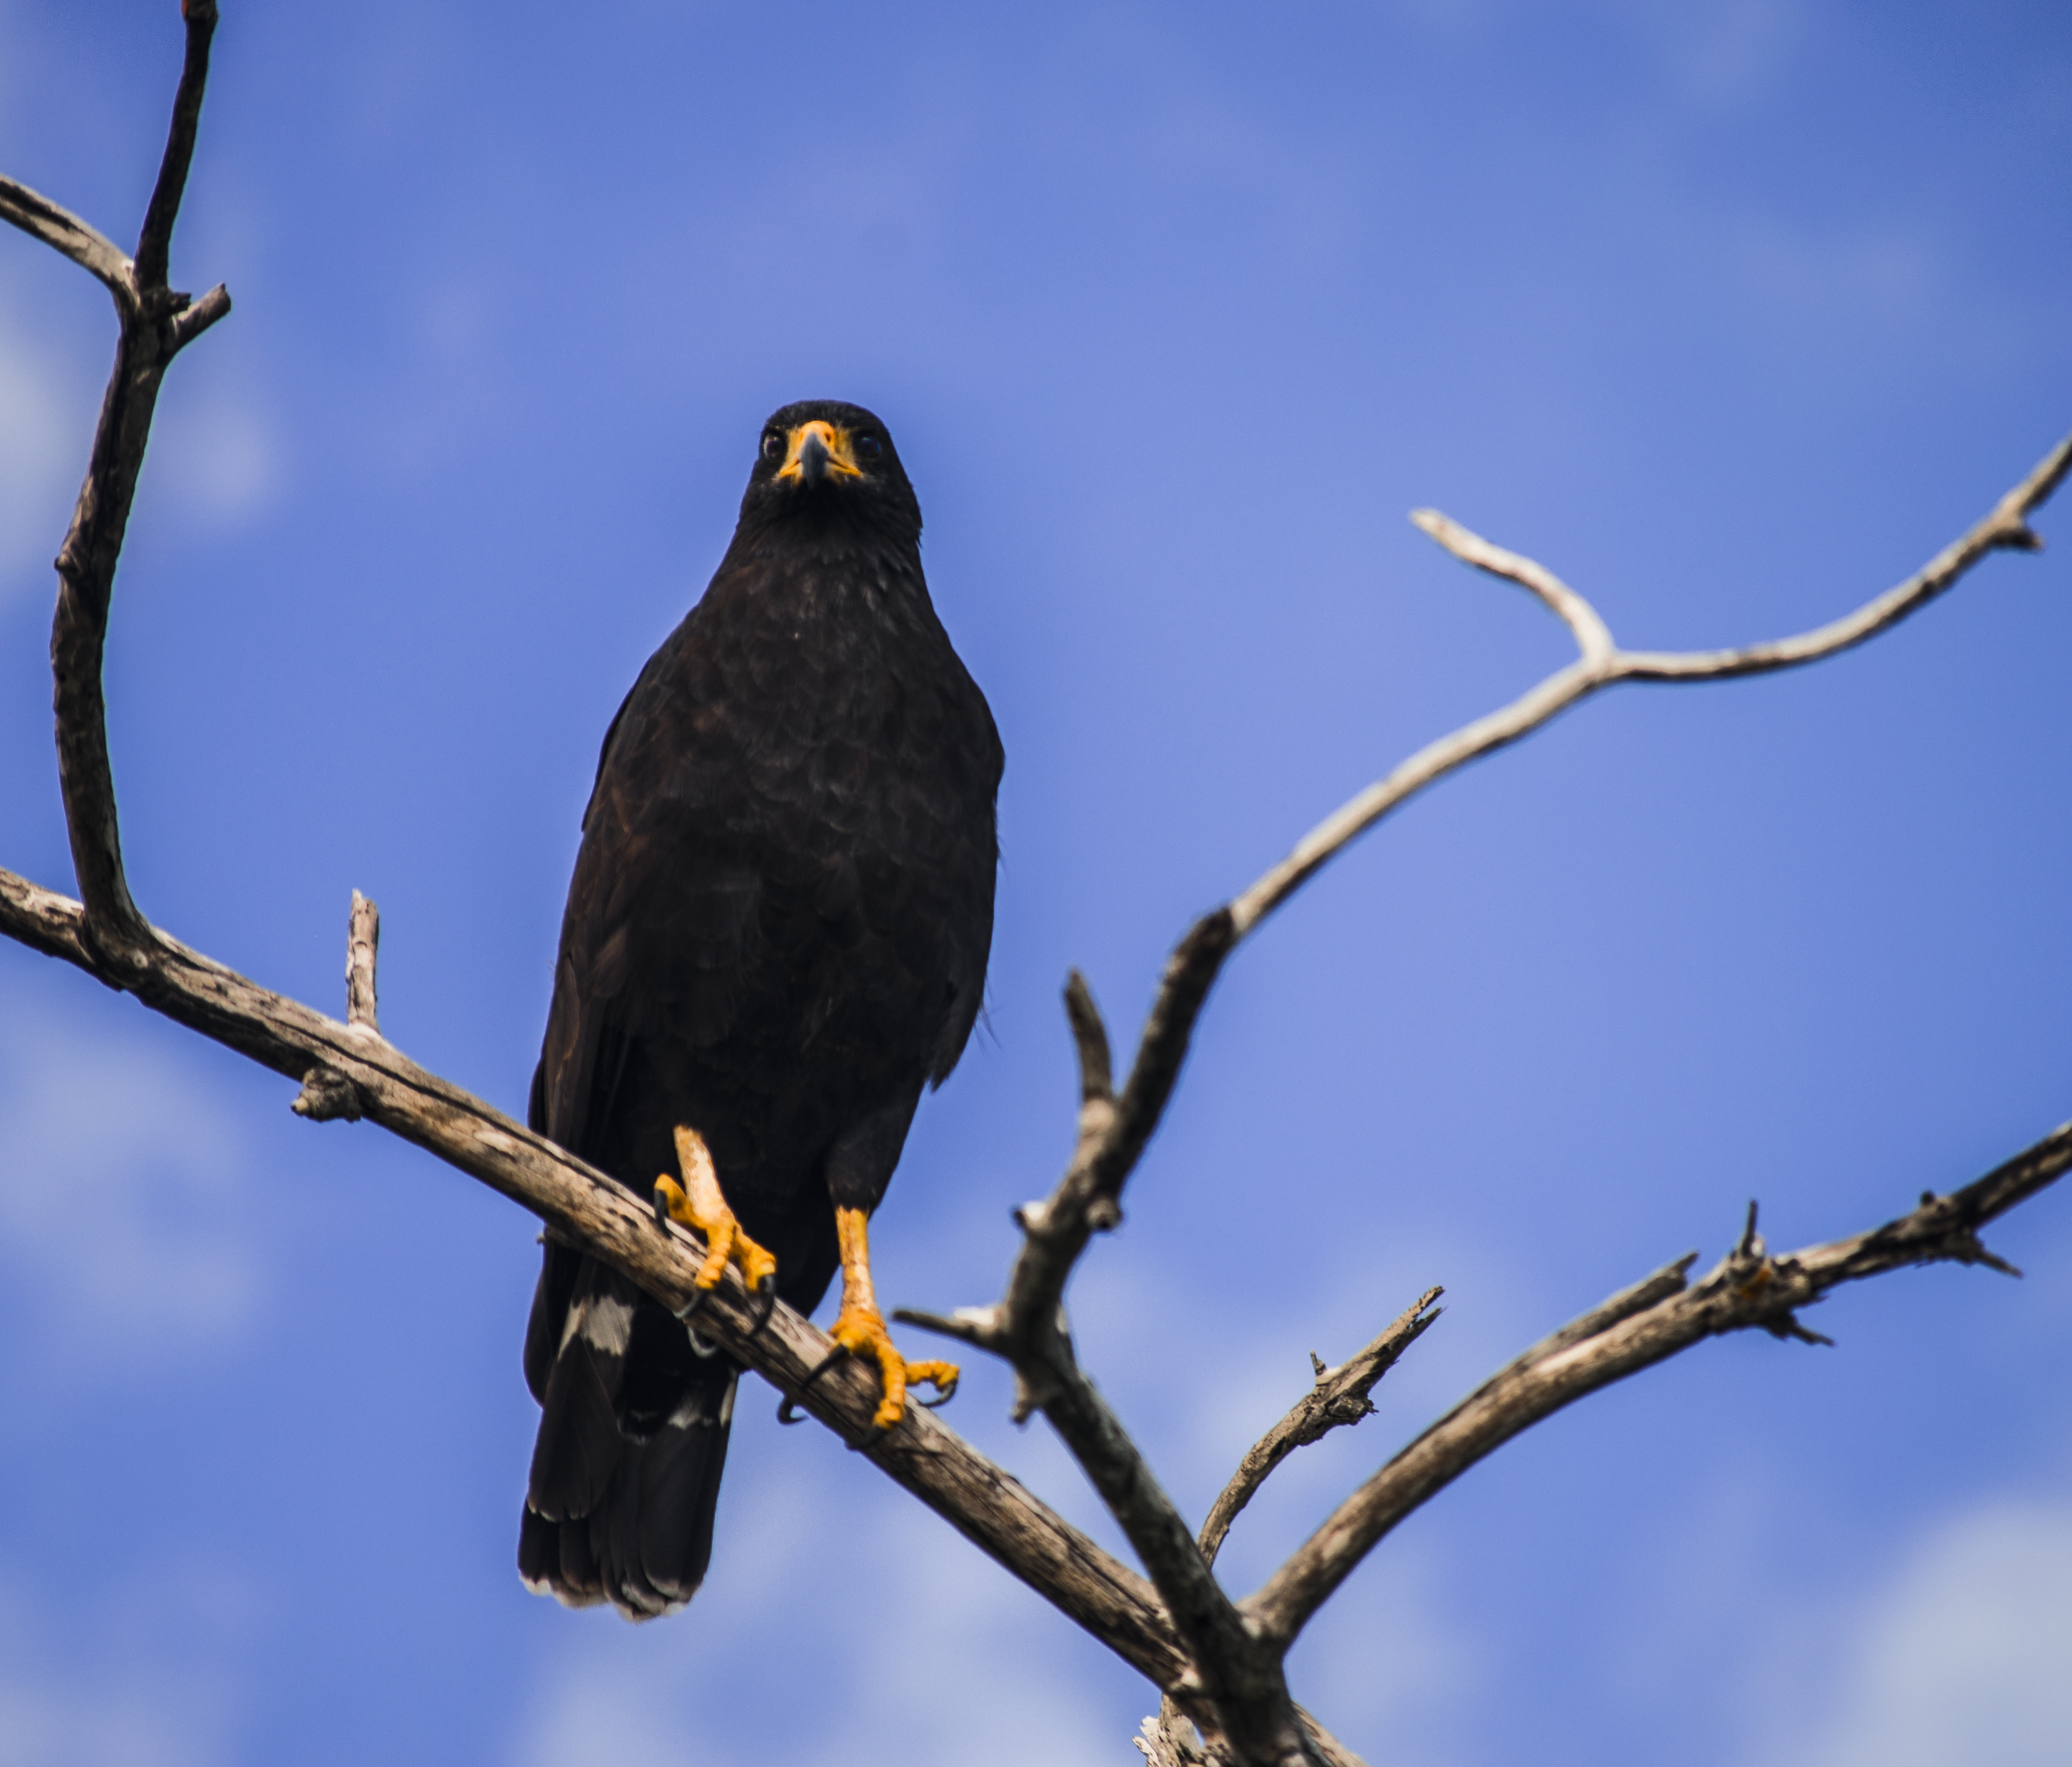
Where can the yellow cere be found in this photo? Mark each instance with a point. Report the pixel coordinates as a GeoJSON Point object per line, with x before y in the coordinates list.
{"type": "Point", "coordinates": [839, 444]}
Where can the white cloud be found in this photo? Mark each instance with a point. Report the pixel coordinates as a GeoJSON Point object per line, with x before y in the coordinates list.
{"type": "Point", "coordinates": [1717, 51]}
{"type": "Point", "coordinates": [216, 453]}
{"type": "Point", "coordinates": [921, 1645]}
{"type": "Point", "coordinates": [1966, 1658]}
{"type": "Point", "coordinates": [118, 1217]}
{"type": "Point", "coordinates": [1732, 48]}
{"type": "Point", "coordinates": [1890, 278]}
{"type": "Point", "coordinates": [152, 1693]}
{"type": "Point", "coordinates": [37, 461]}
{"type": "Point", "coordinates": [1388, 1665]}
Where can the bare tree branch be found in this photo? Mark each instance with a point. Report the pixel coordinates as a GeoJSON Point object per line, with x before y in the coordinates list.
{"type": "Point", "coordinates": [1339, 1397]}
{"type": "Point", "coordinates": [155, 245]}
{"type": "Point", "coordinates": [64, 231]}
{"type": "Point", "coordinates": [363, 944]}
{"type": "Point", "coordinates": [1636, 1328]}
{"type": "Point", "coordinates": [1234, 1692]}
{"type": "Point", "coordinates": [2007, 526]}
{"type": "Point", "coordinates": [1113, 1131]}
{"type": "Point", "coordinates": [156, 324]}
{"type": "Point", "coordinates": [1026, 1326]}
{"type": "Point", "coordinates": [1593, 636]}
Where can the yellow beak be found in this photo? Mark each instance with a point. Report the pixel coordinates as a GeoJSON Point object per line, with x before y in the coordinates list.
{"type": "Point", "coordinates": [818, 451]}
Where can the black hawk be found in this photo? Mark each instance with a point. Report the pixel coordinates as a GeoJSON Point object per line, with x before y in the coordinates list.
{"type": "Point", "coordinates": [776, 938]}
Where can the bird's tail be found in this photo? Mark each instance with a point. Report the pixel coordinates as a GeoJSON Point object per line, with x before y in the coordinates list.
{"type": "Point", "coordinates": [635, 1416]}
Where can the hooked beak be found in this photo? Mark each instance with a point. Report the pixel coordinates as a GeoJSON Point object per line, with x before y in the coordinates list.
{"type": "Point", "coordinates": [817, 451]}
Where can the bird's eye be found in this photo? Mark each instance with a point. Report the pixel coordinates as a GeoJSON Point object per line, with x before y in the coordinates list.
{"type": "Point", "coordinates": [868, 446]}
{"type": "Point", "coordinates": [773, 445]}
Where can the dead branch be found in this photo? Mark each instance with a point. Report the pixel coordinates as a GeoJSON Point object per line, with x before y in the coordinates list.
{"type": "Point", "coordinates": [1636, 1328]}
{"type": "Point", "coordinates": [157, 322]}
{"type": "Point", "coordinates": [1026, 1327]}
{"type": "Point", "coordinates": [1023, 1326]}
{"type": "Point", "coordinates": [363, 944]}
{"type": "Point", "coordinates": [1339, 1397]}
{"type": "Point", "coordinates": [64, 231]}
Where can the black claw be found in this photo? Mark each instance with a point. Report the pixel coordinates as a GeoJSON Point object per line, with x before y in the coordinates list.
{"type": "Point", "coordinates": [768, 1288]}
{"type": "Point", "coordinates": [938, 1402]}
{"type": "Point", "coordinates": [697, 1299]}
{"type": "Point", "coordinates": [661, 1208]}
{"type": "Point", "coordinates": [785, 1413]}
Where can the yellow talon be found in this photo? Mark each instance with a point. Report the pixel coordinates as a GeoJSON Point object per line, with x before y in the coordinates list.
{"type": "Point", "coordinates": [698, 1202]}
{"type": "Point", "coordinates": [860, 1327]}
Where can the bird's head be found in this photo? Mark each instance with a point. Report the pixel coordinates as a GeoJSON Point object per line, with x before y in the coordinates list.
{"type": "Point", "coordinates": [824, 463]}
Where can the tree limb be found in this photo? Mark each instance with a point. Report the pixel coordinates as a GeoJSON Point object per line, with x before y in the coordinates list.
{"type": "Point", "coordinates": [154, 243]}
{"type": "Point", "coordinates": [1654, 1319]}
{"type": "Point", "coordinates": [1603, 665]}
{"type": "Point", "coordinates": [1113, 1131]}
{"type": "Point", "coordinates": [1026, 1326]}
{"type": "Point", "coordinates": [64, 232]}
{"type": "Point", "coordinates": [1338, 1397]}
{"type": "Point", "coordinates": [157, 324]}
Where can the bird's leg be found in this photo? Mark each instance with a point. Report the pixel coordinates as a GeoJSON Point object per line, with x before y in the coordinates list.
{"type": "Point", "coordinates": [859, 1328]}
{"type": "Point", "coordinates": [698, 1202]}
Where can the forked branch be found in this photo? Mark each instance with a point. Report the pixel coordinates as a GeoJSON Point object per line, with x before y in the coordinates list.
{"type": "Point", "coordinates": [1636, 1328]}
{"type": "Point", "coordinates": [1339, 1398]}
{"type": "Point", "coordinates": [1113, 1131]}
{"type": "Point", "coordinates": [157, 324]}
{"type": "Point", "coordinates": [1026, 1327]}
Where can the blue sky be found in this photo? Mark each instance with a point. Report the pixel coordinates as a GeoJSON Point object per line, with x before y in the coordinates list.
{"type": "Point", "coordinates": [1732, 313]}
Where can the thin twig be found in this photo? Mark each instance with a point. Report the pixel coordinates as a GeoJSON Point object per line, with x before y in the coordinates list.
{"type": "Point", "coordinates": [154, 243]}
{"type": "Point", "coordinates": [64, 231]}
{"type": "Point", "coordinates": [1593, 636]}
{"type": "Point", "coordinates": [1654, 1319]}
{"type": "Point", "coordinates": [363, 944]}
{"type": "Point", "coordinates": [1339, 1397]}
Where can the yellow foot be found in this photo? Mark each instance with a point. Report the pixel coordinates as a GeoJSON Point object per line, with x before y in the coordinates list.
{"type": "Point", "coordinates": [697, 1202]}
{"type": "Point", "coordinates": [860, 1327]}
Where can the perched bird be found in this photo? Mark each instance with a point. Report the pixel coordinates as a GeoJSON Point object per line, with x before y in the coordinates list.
{"type": "Point", "coordinates": [776, 938]}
